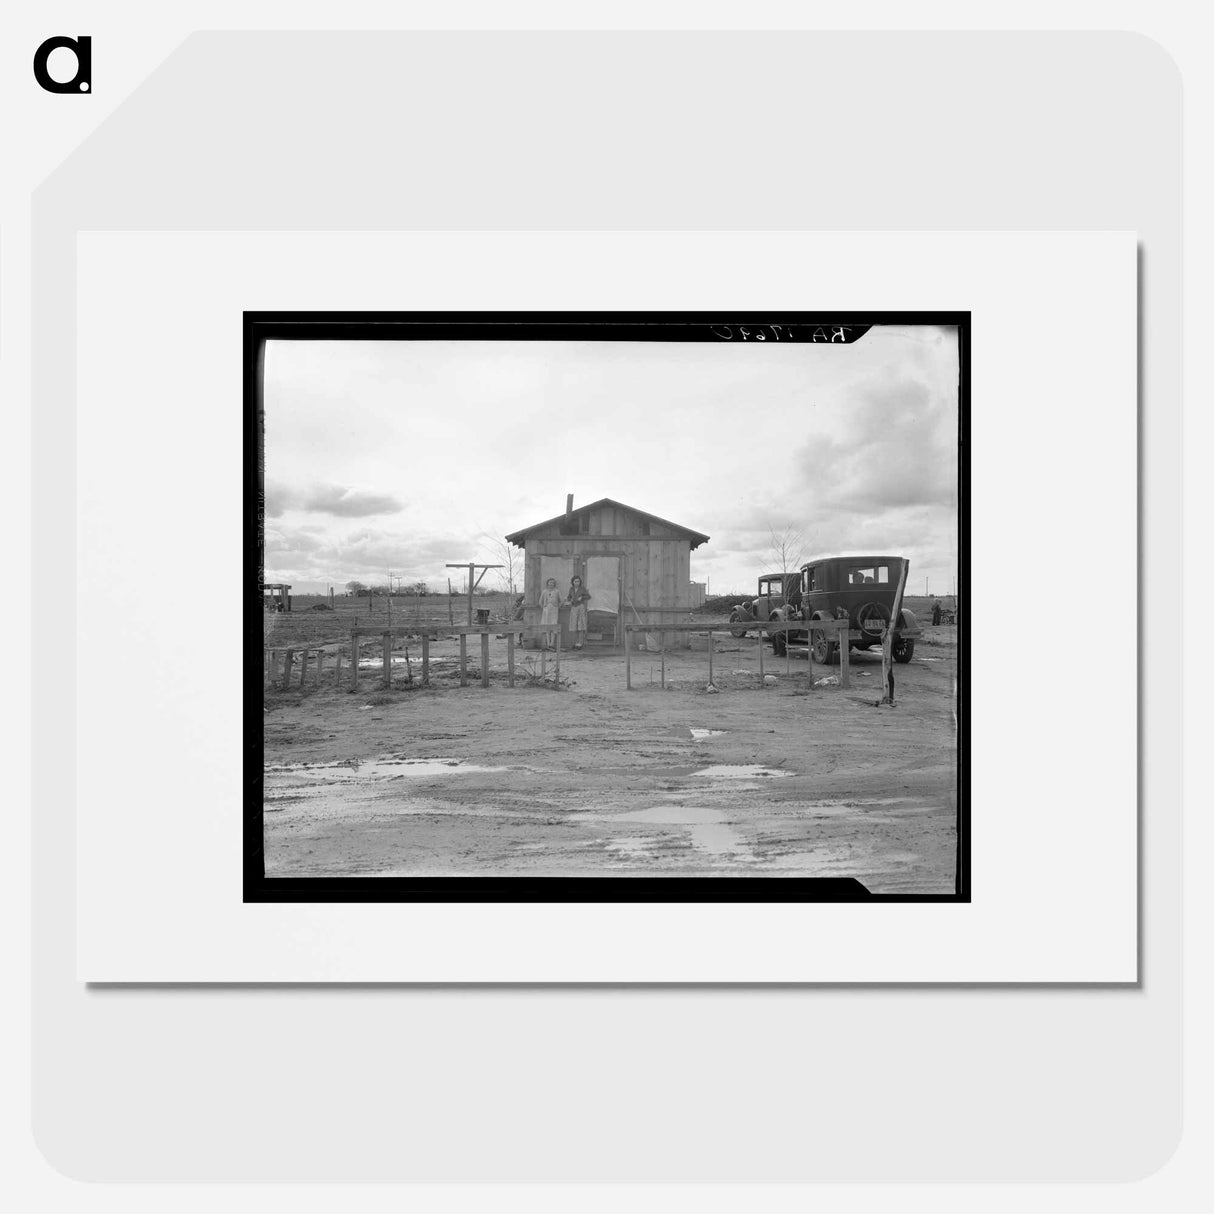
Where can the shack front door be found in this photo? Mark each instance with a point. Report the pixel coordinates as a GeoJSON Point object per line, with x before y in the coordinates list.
{"type": "Point", "coordinates": [603, 582]}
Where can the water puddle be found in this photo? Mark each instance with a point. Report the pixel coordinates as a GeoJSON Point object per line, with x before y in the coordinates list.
{"type": "Point", "coordinates": [390, 768]}
{"type": "Point", "coordinates": [708, 828]}
{"type": "Point", "coordinates": [739, 771]}
{"type": "Point", "coordinates": [698, 735]}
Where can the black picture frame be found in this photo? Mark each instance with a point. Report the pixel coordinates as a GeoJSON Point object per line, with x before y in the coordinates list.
{"type": "Point", "coordinates": [757, 326]}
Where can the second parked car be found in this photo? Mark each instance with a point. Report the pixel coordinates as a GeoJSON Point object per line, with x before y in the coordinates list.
{"type": "Point", "coordinates": [860, 589]}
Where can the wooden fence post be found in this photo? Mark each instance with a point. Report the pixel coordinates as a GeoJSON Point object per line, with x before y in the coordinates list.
{"type": "Point", "coordinates": [485, 659]}
{"type": "Point", "coordinates": [557, 668]}
{"type": "Point", "coordinates": [510, 659]}
{"type": "Point", "coordinates": [320, 666]}
{"type": "Point", "coordinates": [354, 659]}
{"type": "Point", "coordinates": [844, 658]}
{"type": "Point", "coordinates": [387, 639]}
{"type": "Point", "coordinates": [627, 659]}
{"type": "Point", "coordinates": [303, 670]}
{"type": "Point", "coordinates": [337, 672]}
{"type": "Point", "coordinates": [710, 657]}
{"type": "Point", "coordinates": [463, 659]}
{"type": "Point", "coordinates": [760, 657]}
{"type": "Point", "coordinates": [887, 642]}
{"type": "Point", "coordinates": [425, 659]}
{"type": "Point", "coordinates": [287, 663]}
{"type": "Point", "coordinates": [663, 663]}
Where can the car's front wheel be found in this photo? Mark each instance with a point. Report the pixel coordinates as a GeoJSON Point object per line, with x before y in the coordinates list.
{"type": "Point", "coordinates": [734, 619]}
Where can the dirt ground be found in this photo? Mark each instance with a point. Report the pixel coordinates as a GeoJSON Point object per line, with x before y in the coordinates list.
{"type": "Point", "coordinates": [592, 779]}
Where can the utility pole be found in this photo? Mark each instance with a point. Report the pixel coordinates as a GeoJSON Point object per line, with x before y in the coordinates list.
{"type": "Point", "coordinates": [472, 567]}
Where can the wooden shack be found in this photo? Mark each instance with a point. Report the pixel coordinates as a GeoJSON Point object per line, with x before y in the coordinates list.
{"type": "Point", "coordinates": [636, 566]}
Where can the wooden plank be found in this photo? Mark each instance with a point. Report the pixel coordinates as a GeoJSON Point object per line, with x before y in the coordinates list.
{"type": "Point", "coordinates": [663, 662]}
{"type": "Point", "coordinates": [303, 670]}
{"type": "Point", "coordinates": [484, 659]}
{"type": "Point", "coordinates": [710, 657]}
{"type": "Point", "coordinates": [425, 659]}
{"type": "Point", "coordinates": [387, 639]}
{"type": "Point", "coordinates": [337, 676]}
{"type": "Point", "coordinates": [287, 663]}
{"type": "Point", "coordinates": [354, 658]}
{"type": "Point", "coordinates": [320, 665]}
{"type": "Point", "coordinates": [510, 659]}
{"type": "Point", "coordinates": [761, 656]}
{"type": "Point", "coordinates": [558, 655]}
{"type": "Point", "coordinates": [844, 662]}
{"type": "Point", "coordinates": [273, 667]}
{"type": "Point", "coordinates": [627, 659]}
{"type": "Point", "coordinates": [463, 659]}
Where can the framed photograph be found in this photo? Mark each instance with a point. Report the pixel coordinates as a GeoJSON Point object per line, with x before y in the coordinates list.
{"type": "Point", "coordinates": [607, 606]}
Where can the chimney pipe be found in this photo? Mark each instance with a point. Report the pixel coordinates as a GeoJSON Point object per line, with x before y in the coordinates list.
{"type": "Point", "coordinates": [569, 510]}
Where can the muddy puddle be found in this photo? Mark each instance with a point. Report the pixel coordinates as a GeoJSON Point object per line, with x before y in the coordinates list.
{"type": "Point", "coordinates": [708, 830]}
{"type": "Point", "coordinates": [698, 735]}
{"type": "Point", "coordinates": [739, 771]}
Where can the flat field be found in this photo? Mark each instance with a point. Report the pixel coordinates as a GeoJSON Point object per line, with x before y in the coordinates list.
{"type": "Point", "coordinates": [758, 776]}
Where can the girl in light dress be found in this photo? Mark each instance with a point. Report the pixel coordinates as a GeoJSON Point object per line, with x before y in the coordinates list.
{"type": "Point", "coordinates": [550, 612]}
{"type": "Point", "coordinates": [577, 598]}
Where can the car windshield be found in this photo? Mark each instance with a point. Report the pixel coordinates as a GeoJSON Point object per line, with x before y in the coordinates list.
{"type": "Point", "coordinates": [868, 575]}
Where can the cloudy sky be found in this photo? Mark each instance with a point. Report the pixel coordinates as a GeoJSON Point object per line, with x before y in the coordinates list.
{"type": "Point", "coordinates": [403, 456]}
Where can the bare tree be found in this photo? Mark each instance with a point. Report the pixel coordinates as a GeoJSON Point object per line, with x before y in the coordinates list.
{"type": "Point", "coordinates": [786, 552]}
{"type": "Point", "coordinates": [503, 553]}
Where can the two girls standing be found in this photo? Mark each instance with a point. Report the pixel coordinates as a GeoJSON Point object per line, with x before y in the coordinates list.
{"type": "Point", "coordinates": [550, 607]}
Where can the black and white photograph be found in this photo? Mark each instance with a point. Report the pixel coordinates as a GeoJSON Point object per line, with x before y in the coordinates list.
{"type": "Point", "coordinates": [607, 606]}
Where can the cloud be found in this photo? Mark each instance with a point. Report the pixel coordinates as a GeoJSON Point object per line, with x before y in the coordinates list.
{"type": "Point", "coordinates": [896, 449]}
{"type": "Point", "coordinates": [338, 500]}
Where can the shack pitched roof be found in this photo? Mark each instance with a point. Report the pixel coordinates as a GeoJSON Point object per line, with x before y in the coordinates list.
{"type": "Point", "coordinates": [518, 538]}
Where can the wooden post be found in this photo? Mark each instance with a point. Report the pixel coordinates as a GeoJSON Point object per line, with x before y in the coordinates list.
{"type": "Point", "coordinates": [510, 659]}
{"type": "Point", "coordinates": [710, 657]}
{"type": "Point", "coordinates": [844, 658]}
{"type": "Point", "coordinates": [425, 659]}
{"type": "Point", "coordinates": [337, 673]}
{"type": "Point", "coordinates": [787, 654]}
{"type": "Point", "coordinates": [354, 658]}
{"type": "Point", "coordinates": [557, 668]}
{"type": "Point", "coordinates": [331, 607]}
{"type": "Point", "coordinates": [809, 656]}
{"type": "Point", "coordinates": [627, 659]}
{"type": "Point", "coordinates": [471, 572]}
{"type": "Point", "coordinates": [450, 608]}
{"type": "Point", "coordinates": [887, 643]}
{"type": "Point", "coordinates": [389, 608]}
{"type": "Point", "coordinates": [303, 670]}
{"type": "Point", "coordinates": [288, 662]}
{"type": "Point", "coordinates": [463, 659]}
{"type": "Point", "coordinates": [485, 658]}
{"type": "Point", "coordinates": [544, 662]}
{"type": "Point", "coordinates": [387, 639]}
{"type": "Point", "coordinates": [320, 666]}
{"type": "Point", "coordinates": [663, 662]}
{"type": "Point", "coordinates": [760, 657]}
{"type": "Point", "coordinates": [273, 667]}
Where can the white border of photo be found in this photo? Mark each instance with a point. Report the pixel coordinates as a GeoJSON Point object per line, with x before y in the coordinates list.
{"type": "Point", "coordinates": [1053, 754]}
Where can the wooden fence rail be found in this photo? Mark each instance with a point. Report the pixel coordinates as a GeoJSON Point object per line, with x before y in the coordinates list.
{"type": "Point", "coordinates": [827, 626]}
{"type": "Point", "coordinates": [426, 635]}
